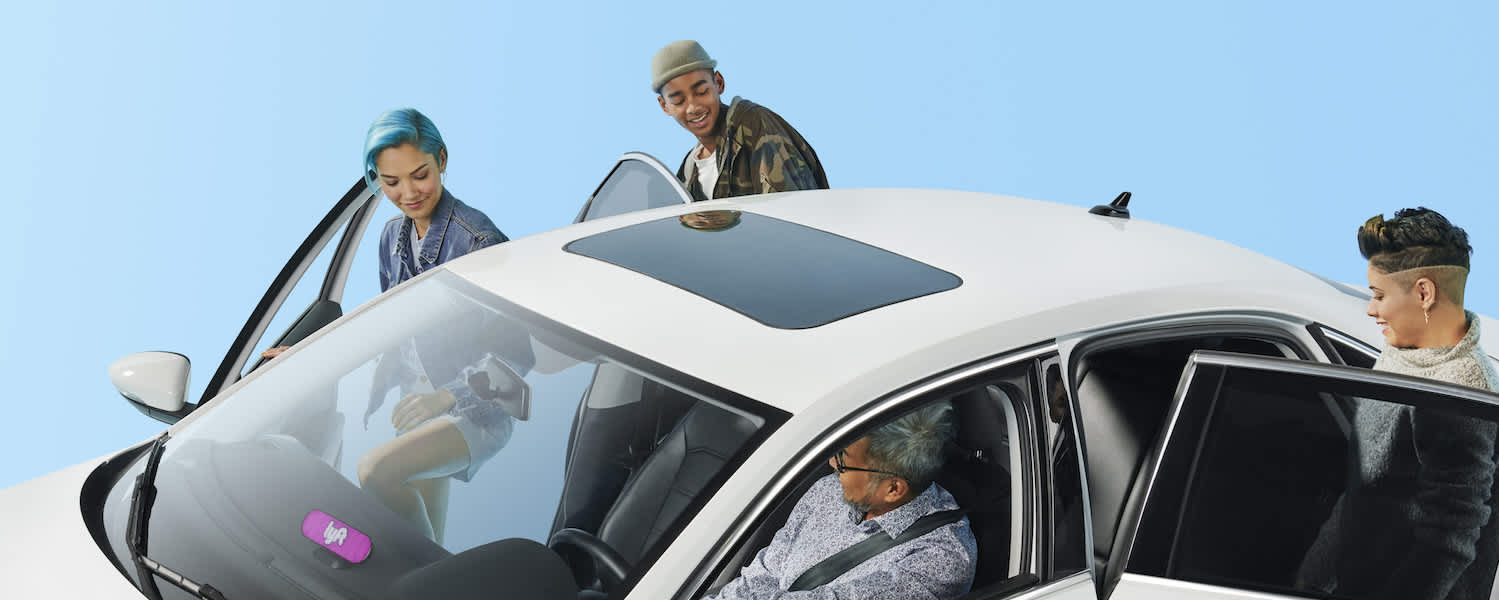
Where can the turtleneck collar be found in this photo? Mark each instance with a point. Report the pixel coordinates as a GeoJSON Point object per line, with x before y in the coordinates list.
{"type": "Point", "coordinates": [1424, 358]}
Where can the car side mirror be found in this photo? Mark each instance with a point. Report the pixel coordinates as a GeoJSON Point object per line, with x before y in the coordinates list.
{"type": "Point", "coordinates": [154, 382]}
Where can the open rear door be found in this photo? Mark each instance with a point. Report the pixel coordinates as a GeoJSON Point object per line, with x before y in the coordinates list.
{"type": "Point", "coordinates": [1257, 485]}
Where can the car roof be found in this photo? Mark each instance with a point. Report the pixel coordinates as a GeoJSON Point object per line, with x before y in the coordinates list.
{"type": "Point", "coordinates": [1031, 271]}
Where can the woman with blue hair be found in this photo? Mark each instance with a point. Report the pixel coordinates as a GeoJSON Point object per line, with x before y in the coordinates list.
{"type": "Point", "coordinates": [442, 430]}
{"type": "Point", "coordinates": [405, 158]}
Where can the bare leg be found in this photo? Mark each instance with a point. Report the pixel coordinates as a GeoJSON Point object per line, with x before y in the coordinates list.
{"type": "Point", "coordinates": [434, 493]}
{"type": "Point", "coordinates": [434, 449]}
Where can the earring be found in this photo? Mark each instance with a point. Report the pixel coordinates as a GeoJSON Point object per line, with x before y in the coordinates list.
{"type": "Point", "coordinates": [1427, 312]}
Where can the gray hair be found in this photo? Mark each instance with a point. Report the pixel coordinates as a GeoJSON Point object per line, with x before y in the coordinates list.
{"type": "Point", "coordinates": [912, 446]}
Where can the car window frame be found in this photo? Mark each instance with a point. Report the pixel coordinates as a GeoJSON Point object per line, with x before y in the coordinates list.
{"type": "Point", "coordinates": [1191, 411]}
{"type": "Point", "coordinates": [354, 209]}
{"type": "Point", "coordinates": [1331, 339]}
{"type": "Point", "coordinates": [1283, 331]}
{"type": "Point", "coordinates": [845, 431]}
{"type": "Point", "coordinates": [1020, 422]}
{"type": "Point", "coordinates": [655, 166]}
{"type": "Point", "coordinates": [1048, 487]}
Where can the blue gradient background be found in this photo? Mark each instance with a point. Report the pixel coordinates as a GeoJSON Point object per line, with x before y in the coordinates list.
{"type": "Point", "coordinates": [166, 158]}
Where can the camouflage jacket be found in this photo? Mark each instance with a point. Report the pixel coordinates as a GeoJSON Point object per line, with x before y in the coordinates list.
{"type": "Point", "coordinates": [758, 153]}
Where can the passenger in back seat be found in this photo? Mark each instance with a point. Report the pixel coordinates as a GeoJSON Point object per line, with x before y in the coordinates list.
{"type": "Point", "coordinates": [883, 499]}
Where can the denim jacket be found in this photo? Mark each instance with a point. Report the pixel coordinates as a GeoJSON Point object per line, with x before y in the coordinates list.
{"type": "Point", "coordinates": [456, 229]}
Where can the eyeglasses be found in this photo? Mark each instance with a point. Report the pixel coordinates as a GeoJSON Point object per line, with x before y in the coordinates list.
{"type": "Point", "coordinates": [842, 468]}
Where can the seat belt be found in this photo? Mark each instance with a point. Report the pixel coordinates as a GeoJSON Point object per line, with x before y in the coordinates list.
{"type": "Point", "coordinates": [836, 565]}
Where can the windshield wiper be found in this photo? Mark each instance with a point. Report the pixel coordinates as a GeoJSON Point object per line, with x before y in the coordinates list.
{"type": "Point", "coordinates": [141, 501]}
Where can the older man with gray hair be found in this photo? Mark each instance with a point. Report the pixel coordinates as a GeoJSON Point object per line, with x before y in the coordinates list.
{"type": "Point", "coordinates": [879, 527]}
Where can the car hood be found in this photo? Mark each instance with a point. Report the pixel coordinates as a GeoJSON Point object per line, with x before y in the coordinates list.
{"type": "Point", "coordinates": [47, 551]}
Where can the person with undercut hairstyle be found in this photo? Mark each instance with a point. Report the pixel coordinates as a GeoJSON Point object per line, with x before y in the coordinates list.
{"type": "Point", "coordinates": [1425, 476]}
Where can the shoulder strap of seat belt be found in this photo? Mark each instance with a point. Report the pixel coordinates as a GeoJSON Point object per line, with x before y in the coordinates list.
{"type": "Point", "coordinates": [836, 565]}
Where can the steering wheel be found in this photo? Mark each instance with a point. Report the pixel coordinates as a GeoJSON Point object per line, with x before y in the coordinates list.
{"type": "Point", "coordinates": [612, 568]}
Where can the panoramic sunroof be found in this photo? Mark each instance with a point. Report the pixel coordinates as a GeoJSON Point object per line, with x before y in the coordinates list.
{"type": "Point", "coordinates": [776, 272]}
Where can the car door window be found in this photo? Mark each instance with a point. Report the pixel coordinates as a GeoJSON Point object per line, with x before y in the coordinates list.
{"type": "Point", "coordinates": [1261, 487]}
{"type": "Point", "coordinates": [1124, 386]}
{"type": "Point", "coordinates": [307, 293]}
{"type": "Point", "coordinates": [1344, 349]}
{"type": "Point", "coordinates": [637, 182]}
{"type": "Point", "coordinates": [302, 305]}
{"type": "Point", "coordinates": [991, 470]}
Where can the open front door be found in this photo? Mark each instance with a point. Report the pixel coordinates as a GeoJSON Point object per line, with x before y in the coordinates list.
{"type": "Point", "coordinates": [1289, 477]}
{"type": "Point", "coordinates": [323, 298]}
{"type": "Point", "coordinates": [637, 182]}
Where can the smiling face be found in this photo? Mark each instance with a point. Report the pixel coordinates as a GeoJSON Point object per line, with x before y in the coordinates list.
{"type": "Point", "coordinates": [412, 179]}
{"type": "Point", "coordinates": [692, 99]}
{"type": "Point", "coordinates": [1397, 307]}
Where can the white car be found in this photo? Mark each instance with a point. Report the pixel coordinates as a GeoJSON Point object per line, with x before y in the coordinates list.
{"type": "Point", "coordinates": [673, 381]}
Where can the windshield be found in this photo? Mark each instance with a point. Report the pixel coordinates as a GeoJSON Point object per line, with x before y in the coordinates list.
{"type": "Point", "coordinates": [437, 419]}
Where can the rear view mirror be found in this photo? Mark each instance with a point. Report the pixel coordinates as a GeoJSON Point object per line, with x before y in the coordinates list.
{"type": "Point", "coordinates": [154, 382]}
{"type": "Point", "coordinates": [497, 382]}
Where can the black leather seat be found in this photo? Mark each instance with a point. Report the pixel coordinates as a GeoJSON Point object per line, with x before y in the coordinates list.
{"type": "Point", "coordinates": [656, 494]}
{"type": "Point", "coordinates": [1121, 411]}
{"type": "Point", "coordinates": [681, 466]}
{"type": "Point", "coordinates": [978, 476]}
{"type": "Point", "coordinates": [620, 420]}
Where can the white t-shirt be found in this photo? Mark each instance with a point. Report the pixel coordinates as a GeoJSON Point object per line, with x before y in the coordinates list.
{"type": "Point", "coordinates": [707, 170]}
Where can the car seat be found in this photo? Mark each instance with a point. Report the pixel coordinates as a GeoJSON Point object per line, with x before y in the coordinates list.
{"type": "Point", "coordinates": [619, 422]}
{"type": "Point", "coordinates": [680, 467]}
{"type": "Point", "coordinates": [977, 474]}
{"type": "Point", "coordinates": [682, 464]}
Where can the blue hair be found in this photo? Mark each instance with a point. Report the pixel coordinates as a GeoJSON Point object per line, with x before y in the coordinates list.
{"type": "Point", "coordinates": [396, 127]}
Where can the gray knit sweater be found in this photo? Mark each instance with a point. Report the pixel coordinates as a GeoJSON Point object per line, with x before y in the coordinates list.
{"type": "Point", "coordinates": [1419, 521]}
{"type": "Point", "coordinates": [1463, 364]}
